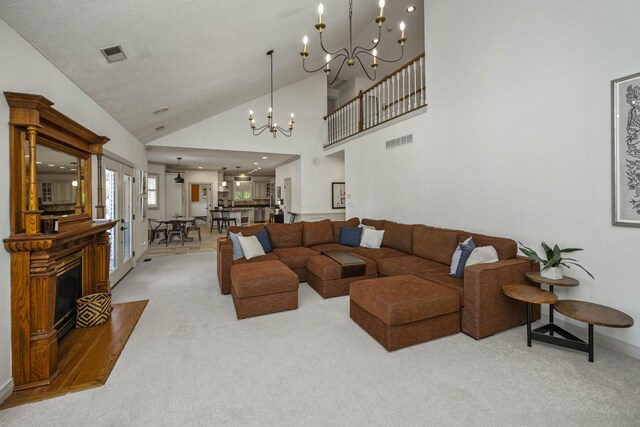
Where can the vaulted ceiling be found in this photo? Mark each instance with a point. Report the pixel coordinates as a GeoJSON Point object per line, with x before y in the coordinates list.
{"type": "Point", "coordinates": [197, 57]}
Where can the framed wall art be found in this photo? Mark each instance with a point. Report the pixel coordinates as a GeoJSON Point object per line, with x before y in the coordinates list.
{"type": "Point", "coordinates": [338, 195]}
{"type": "Point", "coordinates": [625, 129]}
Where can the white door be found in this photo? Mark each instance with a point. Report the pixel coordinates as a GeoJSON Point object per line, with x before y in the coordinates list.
{"type": "Point", "coordinates": [119, 205]}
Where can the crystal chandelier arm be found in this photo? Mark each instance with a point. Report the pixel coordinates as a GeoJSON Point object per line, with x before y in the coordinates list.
{"type": "Point", "coordinates": [338, 73]}
{"type": "Point", "coordinates": [344, 49]}
{"type": "Point", "coordinates": [372, 78]}
{"type": "Point", "coordinates": [342, 55]}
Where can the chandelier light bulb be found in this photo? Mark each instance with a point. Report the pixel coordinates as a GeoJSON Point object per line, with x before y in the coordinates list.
{"type": "Point", "coordinates": [320, 12]}
{"type": "Point", "coordinates": [292, 115]}
{"type": "Point", "coordinates": [270, 110]}
{"type": "Point", "coordinates": [375, 57]}
{"type": "Point", "coordinates": [305, 41]}
{"type": "Point", "coordinates": [381, 4]}
{"type": "Point", "coordinates": [402, 26]}
{"type": "Point", "coordinates": [328, 58]}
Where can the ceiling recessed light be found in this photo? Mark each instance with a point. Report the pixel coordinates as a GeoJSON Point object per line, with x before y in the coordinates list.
{"type": "Point", "coordinates": [72, 170]}
{"type": "Point", "coordinates": [264, 157]}
{"type": "Point", "coordinates": [38, 163]}
{"type": "Point", "coordinates": [411, 9]}
{"type": "Point", "coordinates": [199, 167]}
{"type": "Point", "coordinates": [161, 110]}
{"type": "Point", "coordinates": [259, 168]}
{"type": "Point", "coordinates": [375, 41]}
{"type": "Point", "coordinates": [255, 163]}
{"type": "Point", "coordinates": [52, 165]}
{"type": "Point", "coordinates": [159, 128]}
{"type": "Point", "coordinates": [62, 167]}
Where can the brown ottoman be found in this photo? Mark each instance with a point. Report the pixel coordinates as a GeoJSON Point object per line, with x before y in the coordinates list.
{"type": "Point", "coordinates": [324, 275]}
{"type": "Point", "coordinates": [263, 288]}
{"type": "Point", "coordinates": [400, 311]}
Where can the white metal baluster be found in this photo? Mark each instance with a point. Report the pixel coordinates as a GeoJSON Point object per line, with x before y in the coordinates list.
{"type": "Point", "coordinates": [404, 89]}
{"type": "Point", "coordinates": [415, 87]}
{"type": "Point", "coordinates": [422, 85]}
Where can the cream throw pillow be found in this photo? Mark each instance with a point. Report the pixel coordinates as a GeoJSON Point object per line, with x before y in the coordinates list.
{"type": "Point", "coordinates": [371, 238]}
{"type": "Point", "coordinates": [251, 246]}
{"type": "Point", "coordinates": [481, 255]}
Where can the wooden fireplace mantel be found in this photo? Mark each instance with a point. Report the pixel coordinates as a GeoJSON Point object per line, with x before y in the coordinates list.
{"type": "Point", "coordinates": [36, 257]}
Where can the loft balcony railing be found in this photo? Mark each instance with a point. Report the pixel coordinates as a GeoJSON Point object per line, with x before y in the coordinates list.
{"type": "Point", "coordinates": [397, 94]}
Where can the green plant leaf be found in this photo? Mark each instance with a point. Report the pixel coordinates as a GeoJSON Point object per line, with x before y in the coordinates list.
{"type": "Point", "coordinates": [548, 251]}
{"type": "Point", "coordinates": [578, 265]}
{"type": "Point", "coordinates": [531, 254]}
{"type": "Point", "coordinates": [571, 250]}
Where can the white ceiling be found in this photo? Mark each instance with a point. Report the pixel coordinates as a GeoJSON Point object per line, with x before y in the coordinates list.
{"type": "Point", "coordinates": [193, 158]}
{"type": "Point", "coordinates": [197, 57]}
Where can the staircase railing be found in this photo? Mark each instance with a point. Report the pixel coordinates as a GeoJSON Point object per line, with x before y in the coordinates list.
{"type": "Point", "coordinates": [397, 94]}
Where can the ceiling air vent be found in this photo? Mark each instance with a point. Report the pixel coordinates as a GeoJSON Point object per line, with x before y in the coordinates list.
{"type": "Point", "coordinates": [403, 140]}
{"type": "Point", "coordinates": [113, 54]}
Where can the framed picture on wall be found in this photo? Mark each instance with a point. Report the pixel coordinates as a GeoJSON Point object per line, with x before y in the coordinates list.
{"type": "Point", "coordinates": [625, 130]}
{"type": "Point", "coordinates": [338, 195]}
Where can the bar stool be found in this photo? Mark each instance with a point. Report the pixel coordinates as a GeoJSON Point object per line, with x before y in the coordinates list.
{"type": "Point", "coordinates": [226, 220]}
{"type": "Point", "coordinates": [216, 218]}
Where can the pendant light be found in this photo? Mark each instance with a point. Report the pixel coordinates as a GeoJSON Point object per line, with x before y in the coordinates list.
{"type": "Point", "coordinates": [224, 183]}
{"type": "Point", "coordinates": [238, 182]}
{"type": "Point", "coordinates": [179, 179]}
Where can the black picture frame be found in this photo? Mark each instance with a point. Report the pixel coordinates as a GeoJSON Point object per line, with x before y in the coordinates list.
{"type": "Point", "coordinates": [338, 195]}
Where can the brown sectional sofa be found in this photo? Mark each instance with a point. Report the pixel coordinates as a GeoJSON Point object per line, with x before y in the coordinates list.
{"type": "Point", "coordinates": [417, 250]}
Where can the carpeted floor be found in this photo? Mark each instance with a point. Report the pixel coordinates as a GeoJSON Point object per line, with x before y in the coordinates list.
{"type": "Point", "coordinates": [189, 362]}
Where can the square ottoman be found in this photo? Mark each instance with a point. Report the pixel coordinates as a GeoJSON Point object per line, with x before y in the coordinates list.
{"type": "Point", "coordinates": [325, 275]}
{"type": "Point", "coordinates": [401, 311]}
{"type": "Point", "coordinates": [263, 288]}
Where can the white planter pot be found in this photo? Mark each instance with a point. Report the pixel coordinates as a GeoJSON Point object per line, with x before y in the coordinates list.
{"type": "Point", "coordinates": [553, 273]}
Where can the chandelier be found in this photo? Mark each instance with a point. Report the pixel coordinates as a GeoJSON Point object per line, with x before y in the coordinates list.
{"type": "Point", "coordinates": [352, 54]}
{"type": "Point", "coordinates": [273, 127]}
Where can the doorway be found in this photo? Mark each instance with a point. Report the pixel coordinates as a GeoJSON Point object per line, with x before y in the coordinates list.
{"type": "Point", "coordinates": [287, 199]}
{"type": "Point", "coordinates": [119, 205]}
{"type": "Point", "coordinates": [202, 200]}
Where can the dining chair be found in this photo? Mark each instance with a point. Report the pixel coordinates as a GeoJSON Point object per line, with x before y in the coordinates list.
{"type": "Point", "coordinates": [193, 226]}
{"type": "Point", "coordinates": [156, 227]}
{"type": "Point", "coordinates": [175, 232]}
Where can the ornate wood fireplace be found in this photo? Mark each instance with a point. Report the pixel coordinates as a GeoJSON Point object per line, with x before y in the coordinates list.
{"type": "Point", "coordinates": [39, 259]}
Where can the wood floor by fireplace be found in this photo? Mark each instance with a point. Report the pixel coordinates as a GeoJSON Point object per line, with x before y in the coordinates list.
{"type": "Point", "coordinates": [68, 290]}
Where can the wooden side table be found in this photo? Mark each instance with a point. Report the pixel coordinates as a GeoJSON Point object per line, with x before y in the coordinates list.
{"type": "Point", "coordinates": [592, 314]}
{"type": "Point", "coordinates": [530, 295]}
{"type": "Point", "coordinates": [565, 282]}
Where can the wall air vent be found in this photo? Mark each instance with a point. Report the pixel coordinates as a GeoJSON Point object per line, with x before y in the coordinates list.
{"type": "Point", "coordinates": [113, 54]}
{"type": "Point", "coordinates": [242, 178]}
{"type": "Point", "coordinates": [403, 140]}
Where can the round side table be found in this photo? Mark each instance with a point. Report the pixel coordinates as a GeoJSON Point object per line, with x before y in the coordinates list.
{"type": "Point", "coordinates": [565, 282]}
{"type": "Point", "coordinates": [529, 295]}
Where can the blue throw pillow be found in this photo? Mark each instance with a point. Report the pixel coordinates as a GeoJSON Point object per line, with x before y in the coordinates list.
{"type": "Point", "coordinates": [237, 249]}
{"type": "Point", "coordinates": [350, 236]}
{"type": "Point", "coordinates": [263, 238]}
{"type": "Point", "coordinates": [465, 250]}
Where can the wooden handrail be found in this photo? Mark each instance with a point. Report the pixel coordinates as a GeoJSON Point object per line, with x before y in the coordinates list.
{"type": "Point", "coordinates": [391, 104]}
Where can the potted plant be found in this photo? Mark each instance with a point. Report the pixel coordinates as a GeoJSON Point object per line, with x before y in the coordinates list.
{"type": "Point", "coordinates": [552, 265]}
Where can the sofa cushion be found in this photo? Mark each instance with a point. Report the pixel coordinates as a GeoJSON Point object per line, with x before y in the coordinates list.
{"type": "Point", "coordinates": [409, 264]}
{"type": "Point", "coordinates": [337, 225]}
{"type": "Point", "coordinates": [506, 248]}
{"type": "Point", "coordinates": [295, 257]}
{"type": "Point", "coordinates": [325, 268]}
{"type": "Point", "coordinates": [445, 279]}
{"type": "Point", "coordinates": [350, 236]}
{"type": "Point", "coordinates": [398, 236]}
{"type": "Point", "coordinates": [263, 278]}
{"type": "Point", "coordinates": [285, 235]}
{"type": "Point", "coordinates": [403, 299]}
{"type": "Point", "coordinates": [435, 244]}
{"type": "Point", "coordinates": [379, 253]}
{"type": "Point", "coordinates": [317, 232]}
{"type": "Point", "coordinates": [248, 230]}
{"type": "Point", "coordinates": [377, 223]}
{"type": "Point", "coordinates": [332, 247]}
{"type": "Point", "coordinates": [268, 257]}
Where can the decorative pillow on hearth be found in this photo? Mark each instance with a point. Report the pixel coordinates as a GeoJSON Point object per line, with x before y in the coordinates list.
{"type": "Point", "coordinates": [482, 255]}
{"type": "Point", "coordinates": [350, 236]}
{"type": "Point", "coordinates": [371, 238]}
{"type": "Point", "coordinates": [460, 257]}
{"type": "Point", "coordinates": [251, 247]}
{"type": "Point", "coordinates": [237, 249]}
{"type": "Point", "coordinates": [265, 241]}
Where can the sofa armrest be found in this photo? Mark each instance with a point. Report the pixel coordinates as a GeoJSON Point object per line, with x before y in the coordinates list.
{"type": "Point", "coordinates": [225, 259]}
{"type": "Point", "coordinates": [487, 310]}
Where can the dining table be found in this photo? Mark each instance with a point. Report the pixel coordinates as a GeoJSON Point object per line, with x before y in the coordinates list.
{"type": "Point", "coordinates": [177, 223]}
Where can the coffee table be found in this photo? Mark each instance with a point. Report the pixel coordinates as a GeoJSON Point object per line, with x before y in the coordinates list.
{"type": "Point", "coordinates": [351, 266]}
{"type": "Point", "coordinates": [530, 295]}
{"type": "Point", "coordinates": [593, 314]}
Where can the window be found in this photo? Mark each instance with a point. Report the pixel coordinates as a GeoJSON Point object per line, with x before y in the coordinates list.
{"type": "Point", "coordinates": [152, 191]}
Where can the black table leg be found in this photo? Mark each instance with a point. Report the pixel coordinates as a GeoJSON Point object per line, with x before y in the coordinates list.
{"type": "Point", "coordinates": [529, 316]}
{"type": "Point", "coordinates": [551, 311]}
{"type": "Point", "coordinates": [590, 342]}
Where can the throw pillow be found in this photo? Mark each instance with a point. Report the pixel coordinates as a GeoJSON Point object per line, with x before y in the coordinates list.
{"type": "Point", "coordinates": [237, 249]}
{"type": "Point", "coordinates": [371, 238]}
{"type": "Point", "coordinates": [350, 236]}
{"type": "Point", "coordinates": [251, 246]}
{"type": "Point", "coordinates": [482, 255]}
{"type": "Point", "coordinates": [370, 227]}
{"type": "Point", "coordinates": [263, 238]}
{"type": "Point", "coordinates": [466, 249]}
{"type": "Point", "coordinates": [455, 260]}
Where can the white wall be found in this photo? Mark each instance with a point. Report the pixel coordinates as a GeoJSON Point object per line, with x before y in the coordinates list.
{"type": "Point", "coordinates": [159, 212]}
{"type": "Point", "coordinates": [516, 140]}
{"type": "Point", "coordinates": [25, 70]}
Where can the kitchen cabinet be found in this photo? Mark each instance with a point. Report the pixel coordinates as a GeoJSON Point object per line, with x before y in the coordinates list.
{"type": "Point", "coordinates": [260, 190]}
{"type": "Point", "coordinates": [56, 192]}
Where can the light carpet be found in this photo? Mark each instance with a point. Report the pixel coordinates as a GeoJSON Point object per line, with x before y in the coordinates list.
{"type": "Point", "coordinates": [189, 362]}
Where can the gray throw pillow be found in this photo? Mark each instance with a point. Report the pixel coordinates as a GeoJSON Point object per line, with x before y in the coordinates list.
{"type": "Point", "coordinates": [237, 248]}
